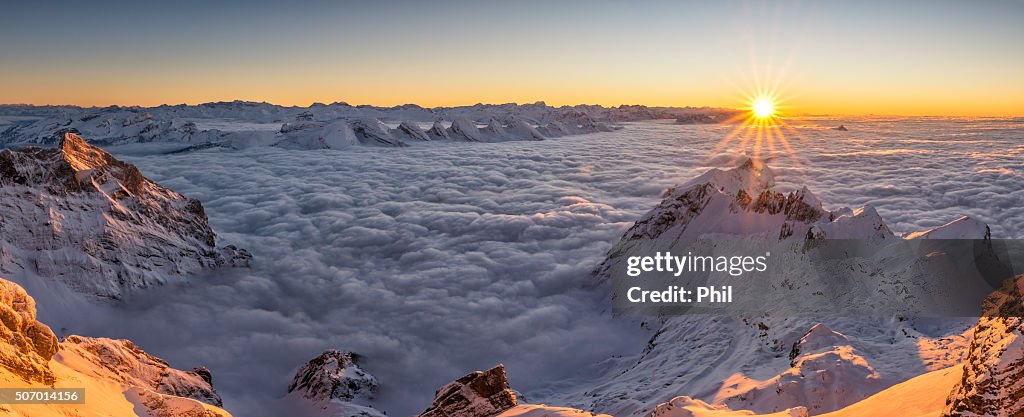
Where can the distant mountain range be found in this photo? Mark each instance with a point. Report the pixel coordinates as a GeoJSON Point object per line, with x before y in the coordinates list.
{"type": "Point", "coordinates": [241, 124]}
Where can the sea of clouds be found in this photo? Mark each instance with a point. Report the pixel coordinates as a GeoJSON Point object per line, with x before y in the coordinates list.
{"type": "Point", "coordinates": [439, 259]}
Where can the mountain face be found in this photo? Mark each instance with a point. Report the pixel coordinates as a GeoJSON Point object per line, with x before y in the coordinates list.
{"type": "Point", "coordinates": [993, 373]}
{"type": "Point", "coordinates": [122, 379]}
{"type": "Point", "coordinates": [765, 363]}
{"type": "Point", "coordinates": [479, 394]}
{"type": "Point", "coordinates": [334, 385]}
{"type": "Point", "coordinates": [78, 215]}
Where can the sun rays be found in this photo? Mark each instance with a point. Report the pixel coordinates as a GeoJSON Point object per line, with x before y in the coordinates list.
{"type": "Point", "coordinates": [761, 131]}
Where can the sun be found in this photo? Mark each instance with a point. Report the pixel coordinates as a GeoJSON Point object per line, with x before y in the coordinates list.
{"type": "Point", "coordinates": [763, 107]}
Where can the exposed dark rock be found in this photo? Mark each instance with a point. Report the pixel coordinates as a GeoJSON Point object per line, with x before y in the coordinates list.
{"type": "Point", "coordinates": [479, 394]}
{"type": "Point", "coordinates": [993, 379]}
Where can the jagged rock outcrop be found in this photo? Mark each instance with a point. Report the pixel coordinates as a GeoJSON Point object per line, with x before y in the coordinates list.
{"type": "Point", "coordinates": [333, 384]}
{"type": "Point", "coordinates": [411, 131]}
{"type": "Point", "coordinates": [438, 131]}
{"type": "Point", "coordinates": [78, 215]}
{"type": "Point", "coordinates": [479, 394]}
{"type": "Point", "coordinates": [334, 375]}
{"type": "Point", "coordinates": [26, 345]}
{"type": "Point", "coordinates": [372, 132]}
{"type": "Point", "coordinates": [122, 378]}
{"type": "Point", "coordinates": [993, 373]}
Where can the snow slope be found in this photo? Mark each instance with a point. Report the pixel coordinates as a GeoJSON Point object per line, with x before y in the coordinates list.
{"type": "Point", "coordinates": [921, 396]}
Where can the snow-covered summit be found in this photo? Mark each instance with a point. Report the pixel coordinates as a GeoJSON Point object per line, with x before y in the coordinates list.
{"type": "Point", "coordinates": [332, 384]}
{"type": "Point", "coordinates": [78, 215]}
{"type": "Point", "coordinates": [742, 202]}
{"type": "Point", "coordinates": [737, 202]}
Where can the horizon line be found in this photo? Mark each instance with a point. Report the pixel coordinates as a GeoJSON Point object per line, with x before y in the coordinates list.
{"type": "Point", "coordinates": [544, 102]}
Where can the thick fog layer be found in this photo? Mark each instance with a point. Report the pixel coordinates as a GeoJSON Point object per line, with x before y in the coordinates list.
{"type": "Point", "coordinates": [439, 259]}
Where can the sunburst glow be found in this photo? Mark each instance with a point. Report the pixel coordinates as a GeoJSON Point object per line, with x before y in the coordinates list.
{"type": "Point", "coordinates": [763, 107]}
{"type": "Point", "coordinates": [761, 129]}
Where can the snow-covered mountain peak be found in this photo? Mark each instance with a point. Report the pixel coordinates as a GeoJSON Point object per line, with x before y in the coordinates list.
{"type": "Point", "coordinates": [752, 176]}
{"type": "Point", "coordinates": [334, 375]}
{"type": "Point", "coordinates": [737, 202]}
{"type": "Point", "coordinates": [332, 384]}
{"type": "Point", "coordinates": [78, 215]}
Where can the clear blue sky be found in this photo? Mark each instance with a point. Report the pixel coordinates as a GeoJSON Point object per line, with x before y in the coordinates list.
{"type": "Point", "coordinates": [916, 57]}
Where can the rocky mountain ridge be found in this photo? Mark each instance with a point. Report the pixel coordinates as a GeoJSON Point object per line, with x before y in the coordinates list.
{"type": "Point", "coordinates": [78, 215]}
